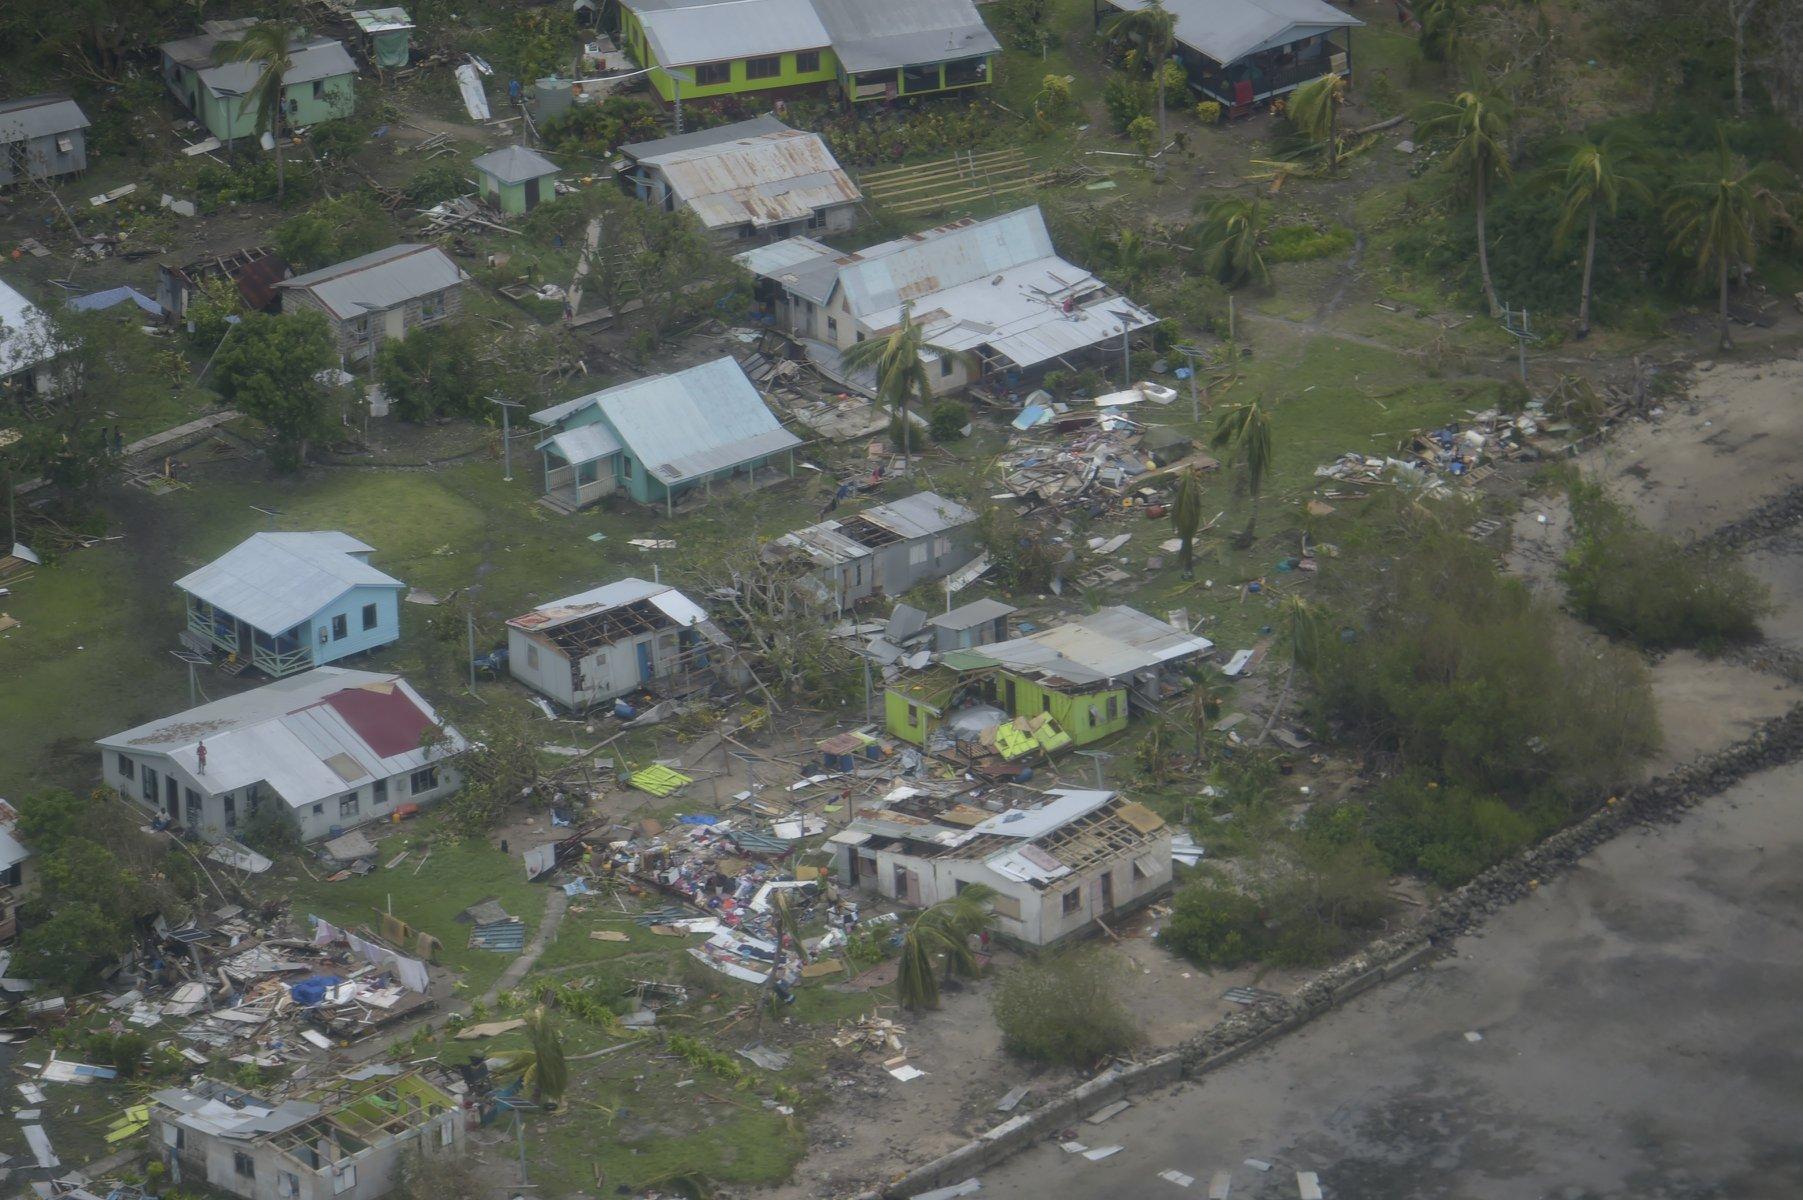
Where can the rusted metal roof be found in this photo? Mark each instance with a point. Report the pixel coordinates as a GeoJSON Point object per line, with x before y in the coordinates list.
{"type": "Point", "coordinates": [750, 173]}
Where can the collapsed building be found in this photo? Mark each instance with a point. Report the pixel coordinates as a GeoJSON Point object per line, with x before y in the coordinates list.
{"type": "Point", "coordinates": [885, 550]}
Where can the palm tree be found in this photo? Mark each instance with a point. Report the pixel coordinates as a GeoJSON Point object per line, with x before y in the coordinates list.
{"type": "Point", "coordinates": [1227, 241]}
{"type": "Point", "coordinates": [1314, 109]}
{"type": "Point", "coordinates": [1206, 697]}
{"type": "Point", "coordinates": [541, 1065]}
{"type": "Point", "coordinates": [1479, 127]}
{"type": "Point", "coordinates": [944, 929]}
{"type": "Point", "coordinates": [1245, 431]}
{"type": "Point", "coordinates": [1131, 259]}
{"type": "Point", "coordinates": [1591, 181]}
{"type": "Point", "coordinates": [1439, 21]}
{"type": "Point", "coordinates": [1718, 218]}
{"type": "Point", "coordinates": [266, 42]}
{"type": "Point", "coordinates": [1155, 28]}
{"type": "Point", "coordinates": [901, 370]}
{"type": "Point", "coordinates": [1186, 517]}
{"type": "Point", "coordinates": [1303, 627]}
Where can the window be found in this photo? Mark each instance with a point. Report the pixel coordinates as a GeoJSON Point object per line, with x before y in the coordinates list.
{"type": "Point", "coordinates": [764, 68]}
{"type": "Point", "coordinates": [1073, 901]}
{"type": "Point", "coordinates": [807, 62]}
{"type": "Point", "coordinates": [1005, 906]}
{"type": "Point", "coordinates": [921, 79]}
{"type": "Point", "coordinates": [244, 1164]}
{"type": "Point", "coordinates": [193, 806]}
{"type": "Point", "coordinates": [971, 70]}
{"type": "Point", "coordinates": [231, 810]}
{"type": "Point", "coordinates": [359, 329]}
{"type": "Point", "coordinates": [349, 806]}
{"type": "Point", "coordinates": [150, 785]}
{"type": "Point", "coordinates": [709, 74]}
{"type": "Point", "coordinates": [127, 768]}
{"type": "Point", "coordinates": [531, 657]}
{"type": "Point", "coordinates": [341, 625]}
{"type": "Point", "coordinates": [369, 616]}
{"type": "Point", "coordinates": [431, 308]}
{"type": "Point", "coordinates": [832, 327]}
{"type": "Point", "coordinates": [253, 796]}
{"type": "Point", "coordinates": [380, 793]}
{"type": "Point", "coordinates": [172, 1136]}
{"type": "Point", "coordinates": [64, 143]}
{"type": "Point", "coordinates": [424, 781]}
{"type": "Point", "coordinates": [1140, 872]}
{"type": "Point", "coordinates": [344, 1177]}
{"type": "Point", "coordinates": [325, 635]}
{"type": "Point", "coordinates": [945, 365]}
{"type": "Point", "coordinates": [446, 1133]}
{"type": "Point", "coordinates": [913, 716]}
{"type": "Point", "coordinates": [917, 554]}
{"type": "Point", "coordinates": [286, 1184]}
{"type": "Point", "coordinates": [319, 89]}
{"type": "Point", "coordinates": [816, 219]}
{"type": "Point", "coordinates": [319, 810]}
{"type": "Point", "coordinates": [1114, 707]}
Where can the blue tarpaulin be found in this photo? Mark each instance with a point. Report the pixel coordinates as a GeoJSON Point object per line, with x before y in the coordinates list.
{"type": "Point", "coordinates": [311, 990]}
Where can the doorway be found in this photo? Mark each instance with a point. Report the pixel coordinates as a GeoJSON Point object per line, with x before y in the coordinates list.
{"type": "Point", "coordinates": [531, 194]}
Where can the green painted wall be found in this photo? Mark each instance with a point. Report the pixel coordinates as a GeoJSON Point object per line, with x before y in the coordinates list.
{"type": "Point", "coordinates": [633, 36]}
{"type": "Point", "coordinates": [230, 117]}
{"type": "Point", "coordinates": [1072, 712]}
{"type": "Point", "coordinates": [511, 197]}
{"type": "Point", "coordinates": [910, 83]}
{"type": "Point", "coordinates": [895, 719]}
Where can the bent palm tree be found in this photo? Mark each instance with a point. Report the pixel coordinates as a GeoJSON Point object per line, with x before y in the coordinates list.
{"type": "Point", "coordinates": [1718, 219]}
{"type": "Point", "coordinates": [541, 1065]}
{"type": "Point", "coordinates": [1227, 241]}
{"type": "Point", "coordinates": [1478, 126]}
{"type": "Point", "coordinates": [1314, 109]}
{"type": "Point", "coordinates": [268, 43]}
{"type": "Point", "coordinates": [1186, 517]}
{"type": "Point", "coordinates": [1155, 28]}
{"type": "Point", "coordinates": [1591, 182]}
{"type": "Point", "coordinates": [1244, 430]}
{"type": "Point", "coordinates": [944, 929]}
{"type": "Point", "coordinates": [899, 360]}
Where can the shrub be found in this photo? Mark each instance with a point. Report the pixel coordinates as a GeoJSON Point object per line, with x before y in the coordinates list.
{"type": "Point", "coordinates": [1632, 582]}
{"type": "Point", "coordinates": [1209, 112]}
{"type": "Point", "coordinates": [1299, 243]}
{"type": "Point", "coordinates": [271, 831]}
{"type": "Point", "coordinates": [332, 231]}
{"type": "Point", "coordinates": [1024, 556]}
{"type": "Point", "coordinates": [948, 421]}
{"type": "Point", "coordinates": [434, 182]}
{"type": "Point", "coordinates": [1213, 925]}
{"type": "Point", "coordinates": [1063, 1010]}
{"type": "Point", "coordinates": [1126, 100]}
{"type": "Point", "coordinates": [1144, 133]}
{"type": "Point", "coordinates": [598, 130]}
{"type": "Point", "coordinates": [434, 372]}
{"type": "Point", "coordinates": [1467, 675]}
{"type": "Point", "coordinates": [1448, 834]}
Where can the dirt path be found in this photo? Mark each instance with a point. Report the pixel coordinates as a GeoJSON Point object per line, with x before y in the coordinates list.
{"type": "Point", "coordinates": [555, 904]}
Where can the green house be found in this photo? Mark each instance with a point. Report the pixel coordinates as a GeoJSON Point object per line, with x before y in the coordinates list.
{"type": "Point", "coordinates": [387, 35]}
{"type": "Point", "coordinates": [662, 437]}
{"type": "Point", "coordinates": [319, 86]}
{"type": "Point", "coordinates": [515, 179]}
{"type": "Point", "coordinates": [872, 49]}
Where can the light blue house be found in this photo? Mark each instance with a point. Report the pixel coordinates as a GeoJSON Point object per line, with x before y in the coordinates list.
{"type": "Point", "coordinates": [288, 602]}
{"type": "Point", "coordinates": [661, 437]}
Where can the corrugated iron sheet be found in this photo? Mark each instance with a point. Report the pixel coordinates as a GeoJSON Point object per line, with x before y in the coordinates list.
{"type": "Point", "coordinates": [1228, 30]}
{"type": "Point", "coordinates": [379, 280]}
{"type": "Point", "coordinates": [274, 581]}
{"type": "Point", "coordinates": [682, 33]}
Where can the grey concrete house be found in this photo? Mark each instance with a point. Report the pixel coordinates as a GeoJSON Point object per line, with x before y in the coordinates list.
{"type": "Point", "coordinates": [42, 137]}
{"type": "Point", "coordinates": [979, 623]}
{"type": "Point", "coordinates": [754, 180]}
{"type": "Point", "coordinates": [886, 549]}
{"type": "Point", "coordinates": [379, 296]}
{"type": "Point", "coordinates": [345, 1141]}
{"type": "Point", "coordinates": [1059, 861]}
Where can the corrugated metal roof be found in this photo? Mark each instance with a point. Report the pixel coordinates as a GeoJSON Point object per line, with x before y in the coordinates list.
{"type": "Point", "coordinates": [22, 332]}
{"type": "Point", "coordinates": [920, 515]}
{"type": "Point", "coordinates": [884, 276]}
{"type": "Point", "coordinates": [1229, 30]}
{"type": "Point", "coordinates": [380, 279]}
{"type": "Point", "coordinates": [274, 581]}
{"type": "Point", "coordinates": [969, 616]}
{"type": "Point", "coordinates": [801, 264]}
{"type": "Point", "coordinates": [39, 116]}
{"type": "Point", "coordinates": [1111, 643]}
{"type": "Point", "coordinates": [382, 20]}
{"type": "Point", "coordinates": [871, 36]}
{"type": "Point", "coordinates": [689, 423]}
{"type": "Point", "coordinates": [12, 850]}
{"type": "Point", "coordinates": [310, 59]}
{"type": "Point", "coordinates": [1065, 806]}
{"type": "Point", "coordinates": [515, 164]}
{"type": "Point", "coordinates": [658, 147]}
{"type": "Point", "coordinates": [686, 32]}
{"type": "Point", "coordinates": [618, 594]}
{"type": "Point", "coordinates": [763, 177]}
{"type": "Point", "coordinates": [284, 733]}
{"type": "Point", "coordinates": [585, 443]}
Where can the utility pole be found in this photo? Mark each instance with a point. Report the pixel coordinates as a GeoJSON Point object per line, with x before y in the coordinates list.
{"type": "Point", "coordinates": [1126, 358]}
{"type": "Point", "coordinates": [506, 434]}
{"type": "Point", "coordinates": [1195, 399]}
{"type": "Point", "coordinates": [866, 659]}
{"type": "Point", "coordinates": [1516, 323]}
{"type": "Point", "coordinates": [469, 616]}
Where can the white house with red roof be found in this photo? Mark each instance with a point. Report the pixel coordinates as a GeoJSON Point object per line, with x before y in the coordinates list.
{"type": "Point", "coordinates": [339, 748]}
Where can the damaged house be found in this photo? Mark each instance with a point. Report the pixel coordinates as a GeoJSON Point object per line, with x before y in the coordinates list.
{"type": "Point", "coordinates": [378, 297]}
{"type": "Point", "coordinates": [42, 137]}
{"type": "Point", "coordinates": [319, 84]}
{"type": "Point", "coordinates": [345, 1142]}
{"type": "Point", "coordinates": [1243, 53]}
{"type": "Point", "coordinates": [337, 747]}
{"type": "Point", "coordinates": [884, 550]}
{"type": "Point", "coordinates": [751, 179]}
{"type": "Point", "coordinates": [1059, 861]}
{"type": "Point", "coordinates": [253, 270]}
{"type": "Point", "coordinates": [613, 640]}
{"type": "Point", "coordinates": [993, 290]}
{"type": "Point", "coordinates": [1084, 675]}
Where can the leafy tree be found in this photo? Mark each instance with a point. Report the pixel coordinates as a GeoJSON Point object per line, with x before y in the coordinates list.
{"type": "Point", "coordinates": [1244, 431]}
{"type": "Point", "coordinates": [434, 372]}
{"type": "Point", "coordinates": [1154, 27]}
{"type": "Point", "coordinates": [67, 946]}
{"type": "Point", "coordinates": [949, 420]}
{"type": "Point", "coordinates": [95, 358]}
{"type": "Point", "coordinates": [1718, 219]}
{"type": "Point", "coordinates": [1441, 25]}
{"type": "Point", "coordinates": [1314, 109]}
{"type": "Point", "coordinates": [1478, 159]}
{"type": "Point", "coordinates": [332, 230]}
{"type": "Point", "coordinates": [1213, 925]}
{"type": "Point", "coordinates": [267, 370]}
{"type": "Point", "coordinates": [266, 43]}
{"type": "Point", "coordinates": [1064, 1010]}
{"type": "Point", "coordinates": [1590, 182]}
{"type": "Point", "coordinates": [540, 1065]}
{"type": "Point", "coordinates": [902, 374]}
{"type": "Point", "coordinates": [944, 930]}
{"type": "Point", "coordinates": [271, 831]}
{"type": "Point", "coordinates": [1186, 517]}
{"type": "Point", "coordinates": [1227, 241]}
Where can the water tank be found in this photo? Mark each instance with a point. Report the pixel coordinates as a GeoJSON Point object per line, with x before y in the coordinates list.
{"type": "Point", "coordinates": [551, 99]}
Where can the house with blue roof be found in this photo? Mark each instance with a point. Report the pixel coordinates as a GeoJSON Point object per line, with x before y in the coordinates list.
{"type": "Point", "coordinates": [661, 438]}
{"type": "Point", "coordinates": [289, 602]}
